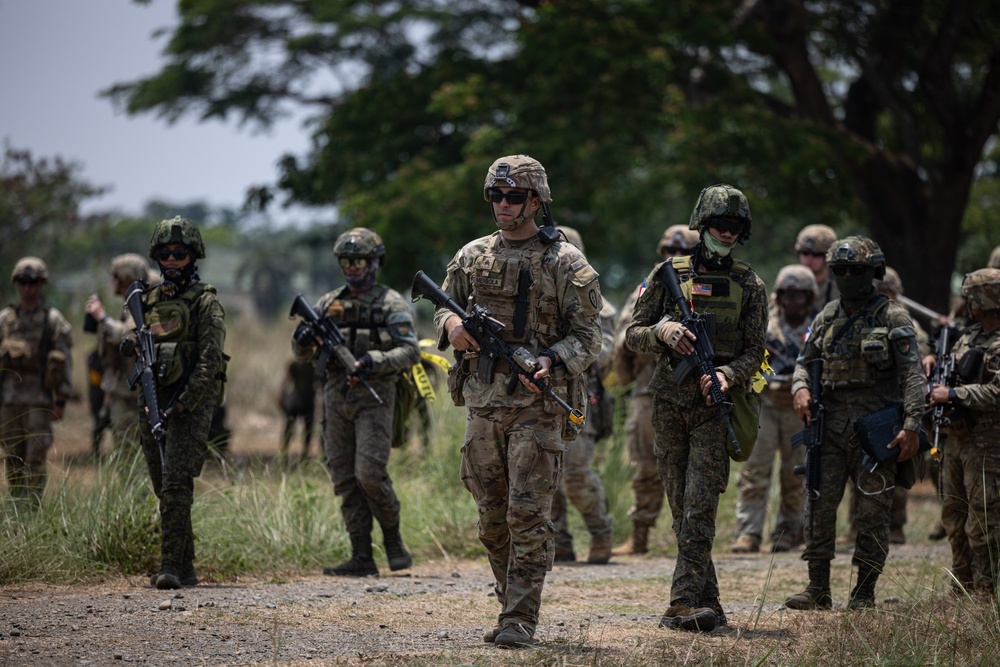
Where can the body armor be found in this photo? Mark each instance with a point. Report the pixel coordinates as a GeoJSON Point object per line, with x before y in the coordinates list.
{"type": "Point", "coordinates": [363, 322]}
{"type": "Point", "coordinates": [857, 349]}
{"type": "Point", "coordinates": [718, 294]}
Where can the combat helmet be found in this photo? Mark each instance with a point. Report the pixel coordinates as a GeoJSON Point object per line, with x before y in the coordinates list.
{"type": "Point", "coordinates": [518, 171]}
{"type": "Point", "coordinates": [32, 268]}
{"type": "Point", "coordinates": [890, 281]}
{"type": "Point", "coordinates": [177, 230]}
{"type": "Point", "coordinates": [796, 277]}
{"type": "Point", "coordinates": [982, 288]}
{"type": "Point", "coordinates": [721, 201]}
{"type": "Point", "coordinates": [573, 237]}
{"type": "Point", "coordinates": [815, 239]}
{"type": "Point", "coordinates": [676, 236]}
{"type": "Point", "coordinates": [857, 250]}
{"type": "Point", "coordinates": [994, 262]}
{"type": "Point", "coordinates": [129, 268]}
{"type": "Point", "coordinates": [360, 242]}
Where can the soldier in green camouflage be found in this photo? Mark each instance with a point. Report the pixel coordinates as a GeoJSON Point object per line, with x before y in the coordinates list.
{"type": "Point", "coordinates": [548, 297]}
{"type": "Point", "coordinates": [971, 463]}
{"type": "Point", "coordinates": [870, 361]}
{"type": "Point", "coordinates": [690, 443]}
{"type": "Point", "coordinates": [811, 244]}
{"type": "Point", "coordinates": [637, 369]}
{"type": "Point", "coordinates": [189, 329]}
{"type": "Point", "coordinates": [377, 325]}
{"type": "Point", "coordinates": [35, 379]}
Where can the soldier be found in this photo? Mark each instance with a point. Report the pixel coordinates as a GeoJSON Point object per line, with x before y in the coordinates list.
{"type": "Point", "coordinates": [635, 368]}
{"type": "Point", "coordinates": [690, 443]}
{"type": "Point", "coordinates": [812, 244]}
{"type": "Point", "coordinates": [189, 328]}
{"type": "Point", "coordinates": [120, 399]}
{"type": "Point", "coordinates": [580, 483]}
{"type": "Point", "coordinates": [869, 350]}
{"type": "Point", "coordinates": [994, 261]}
{"type": "Point", "coordinates": [297, 400]}
{"type": "Point", "coordinates": [971, 464]}
{"type": "Point", "coordinates": [795, 292]}
{"type": "Point", "coordinates": [357, 430]}
{"type": "Point", "coordinates": [549, 298]}
{"type": "Point", "coordinates": [35, 379]}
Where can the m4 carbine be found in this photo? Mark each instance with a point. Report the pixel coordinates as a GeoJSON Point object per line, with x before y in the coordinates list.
{"type": "Point", "coordinates": [145, 367]}
{"type": "Point", "coordinates": [943, 374]}
{"type": "Point", "coordinates": [493, 348]}
{"type": "Point", "coordinates": [812, 437]}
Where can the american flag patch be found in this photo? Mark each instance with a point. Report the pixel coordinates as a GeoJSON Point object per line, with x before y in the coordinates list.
{"type": "Point", "coordinates": [701, 289]}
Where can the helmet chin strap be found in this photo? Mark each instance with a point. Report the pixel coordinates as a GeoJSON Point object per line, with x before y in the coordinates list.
{"type": "Point", "coordinates": [513, 224]}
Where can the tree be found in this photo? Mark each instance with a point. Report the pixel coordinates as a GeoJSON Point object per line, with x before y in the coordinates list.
{"type": "Point", "coordinates": [864, 115]}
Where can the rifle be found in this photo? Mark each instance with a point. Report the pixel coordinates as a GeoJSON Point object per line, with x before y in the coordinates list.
{"type": "Point", "coordinates": [493, 348]}
{"type": "Point", "coordinates": [812, 437]}
{"type": "Point", "coordinates": [333, 342]}
{"type": "Point", "coordinates": [703, 327]}
{"type": "Point", "coordinates": [145, 362]}
{"type": "Point", "coordinates": [783, 356]}
{"type": "Point", "coordinates": [943, 374]}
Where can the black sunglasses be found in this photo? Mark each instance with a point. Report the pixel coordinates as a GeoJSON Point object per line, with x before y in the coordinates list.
{"type": "Point", "coordinates": [513, 197]}
{"type": "Point", "coordinates": [725, 226]}
{"type": "Point", "coordinates": [28, 281]}
{"type": "Point", "coordinates": [842, 270]}
{"type": "Point", "coordinates": [180, 254]}
{"type": "Point", "coordinates": [812, 254]}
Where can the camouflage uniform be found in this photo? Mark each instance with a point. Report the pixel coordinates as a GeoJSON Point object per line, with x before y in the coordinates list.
{"type": "Point", "coordinates": [512, 456]}
{"type": "Point", "coordinates": [816, 240]}
{"type": "Point", "coordinates": [856, 384]}
{"type": "Point", "coordinates": [35, 374]}
{"type": "Point", "coordinates": [189, 328]}
{"type": "Point", "coordinates": [690, 441]}
{"type": "Point", "coordinates": [971, 463]}
{"type": "Point", "coordinates": [377, 325]}
{"type": "Point", "coordinates": [298, 400]}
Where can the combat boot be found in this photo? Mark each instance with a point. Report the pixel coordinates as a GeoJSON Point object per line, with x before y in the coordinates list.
{"type": "Point", "coordinates": [490, 635]}
{"type": "Point", "coordinates": [701, 619]}
{"type": "Point", "coordinates": [863, 595]}
{"type": "Point", "coordinates": [817, 593]}
{"type": "Point", "coordinates": [513, 635]}
{"type": "Point", "coordinates": [600, 549]}
{"type": "Point", "coordinates": [637, 543]}
{"type": "Point", "coordinates": [745, 544]}
{"type": "Point", "coordinates": [395, 550]}
{"type": "Point", "coordinates": [361, 563]}
{"type": "Point", "coordinates": [565, 555]}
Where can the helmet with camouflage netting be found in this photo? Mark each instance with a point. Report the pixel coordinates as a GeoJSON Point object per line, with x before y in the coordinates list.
{"type": "Point", "coordinates": [29, 268]}
{"type": "Point", "coordinates": [518, 171]}
{"type": "Point", "coordinates": [815, 239]}
{"type": "Point", "coordinates": [859, 250]}
{"type": "Point", "coordinates": [677, 236]}
{"type": "Point", "coordinates": [890, 282]}
{"type": "Point", "coordinates": [360, 242]}
{"type": "Point", "coordinates": [721, 201]}
{"type": "Point", "coordinates": [177, 230]}
{"type": "Point", "coordinates": [982, 288]}
{"type": "Point", "coordinates": [796, 277]}
{"type": "Point", "coordinates": [129, 268]}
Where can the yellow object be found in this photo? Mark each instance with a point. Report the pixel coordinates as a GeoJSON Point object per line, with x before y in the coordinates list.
{"type": "Point", "coordinates": [423, 382]}
{"type": "Point", "coordinates": [758, 381]}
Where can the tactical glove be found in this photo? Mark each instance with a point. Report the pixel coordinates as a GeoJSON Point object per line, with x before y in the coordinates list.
{"type": "Point", "coordinates": [304, 334]}
{"type": "Point", "coordinates": [670, 332]}
{"type": "Point", "coordinates": [127, 346]}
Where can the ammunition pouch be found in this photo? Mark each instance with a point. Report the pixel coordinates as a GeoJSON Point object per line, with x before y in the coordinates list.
{"type": "Point", "coordinates": [55, 370]}
{"type": "Point", "coordinates": [458, 373]}
{"type": "Point", "coordinates": [968, 366]}
{"type": "Point", "coordinates": [16, 355]}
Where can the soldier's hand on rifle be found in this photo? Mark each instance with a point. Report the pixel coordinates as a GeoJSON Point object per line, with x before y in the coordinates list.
{"type": "Point", "coordinates": [458, 336]}
{"type": "Point", "coordinates": [362, 367]}
{"type": "Point", "coordinates": [305, 335]}
{"type": "Point", "coordinates": [939, 394]}
{"type": "Point", "coordinates": [907, 442]}
{"type": "Point", "coordinates": [800, 403]}
{"type": "Point", "coordinates": [706, 385]}
{"type": "Point", "coordinates": [545, 365]}
{"type": "Point", "coordinates": [127, 346]}
{"type": "Point", "coordinates": [929, 362]}
{"type": "Point", "coordinates": [676, 336]}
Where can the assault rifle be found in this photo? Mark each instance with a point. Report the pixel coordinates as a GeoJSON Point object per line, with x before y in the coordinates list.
{"type": "Point", "coordinates": [812, 437]}
{"type": "Point", "coordinates": [145, 364]}
{"type": "Point", "coordinates": [943, 374]}
{"type": "Point", "coordinates": [332, 342]}
{"type": "Point", "coordinates": [702, 326]}
{"type": "Point", "coordinates": [493, 348]}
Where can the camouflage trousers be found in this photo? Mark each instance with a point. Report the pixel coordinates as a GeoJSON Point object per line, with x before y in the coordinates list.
{"type": "Point", "coordinates": [777, 426]}
{"type": "Point", "coordinates": [184, 454]}
{"type": "Point", "coordinates": [646, 484]}
{"type": "Point", "coordinates": [971, 509]}
{"type": "Point", "coordinates": [512, 461]}
{"type": "Point", "coordinates": [357, 436]}
{"type": "Point", "coordinates": [26, 434]}
{"type": "Point", "coordinates": [125, 419]}
{"type": "Point", "coordinates": [583, 488]}
{"type": "Point", "coordinates": [840, 463]}
{"type": "Point", "coordinates": [693, 463]}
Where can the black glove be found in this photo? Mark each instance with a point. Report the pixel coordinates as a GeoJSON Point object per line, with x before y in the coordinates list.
{"type": "Point", "coordinates": [304, 334]}
{"type": "Point", "coordinates": [365, 368]}
{"type": "Point", "coordinates": [127, 346]}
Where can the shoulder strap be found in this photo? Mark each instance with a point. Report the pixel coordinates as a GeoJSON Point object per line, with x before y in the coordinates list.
{"type": "Point", "coordinates": [46, 342]}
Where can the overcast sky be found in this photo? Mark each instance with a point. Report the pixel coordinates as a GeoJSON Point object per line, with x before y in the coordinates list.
{"type": "Point", "coordinates": [55, 55]}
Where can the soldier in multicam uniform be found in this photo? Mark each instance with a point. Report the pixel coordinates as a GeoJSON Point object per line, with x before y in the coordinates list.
{"type": "Point", "coordinates": [118, 397]}
{"type": "Point", "coordinates": [549, 298]}
{"type": "Point", "coordinates": [35, 379]}
{"type": "Point", "coordinates": [580, 483]}
{"type": "Point", "coordinates": [795, 292]}
{"type": "Point", "coordinates": [189, 332]}
{"type": "Point", "coordinates": [869, 350]}
{"type": "Point", "coordinates": [635, 368]}
{"type": "Point", "coordinates": [690, 445]}
{"type": "Point", "coordinates": [971, 463]}
{"type": "Point", "coordinates": [812, 244]}
{"type": "Point", "coordinates": [377, 324]}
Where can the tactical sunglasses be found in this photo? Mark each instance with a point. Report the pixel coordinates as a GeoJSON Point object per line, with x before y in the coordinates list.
{"type": "Point", "coordinates": [347, 262]}
{"type": "Point", "coordinates": [734, 227]}
{"type": "Point", "coordinates": [842, 270]}
{"type": "Point", "coordinates": [180, 254]}
{"type": "Point", "coordinates": [513, 197]}
{"type": "Point", "coordinates": [674, 250]}
{"type": "Point", "coordinates": [28, 281]}
{"type": "Point", "coordinates": [810, 253]}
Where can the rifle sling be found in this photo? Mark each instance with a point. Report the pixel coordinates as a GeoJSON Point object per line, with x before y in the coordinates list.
{"type": "Point", "coordinates": [521, 303]}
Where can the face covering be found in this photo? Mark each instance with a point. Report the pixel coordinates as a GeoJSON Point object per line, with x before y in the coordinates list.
{"type": "Point", "coordinates": [176, 281]}
{"type": "Point", "coordinates": [855, 288]}
{"type": "Point", "coordinates": [364, 281]}
{"type": "Point", "coordinates": [715, 250]}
